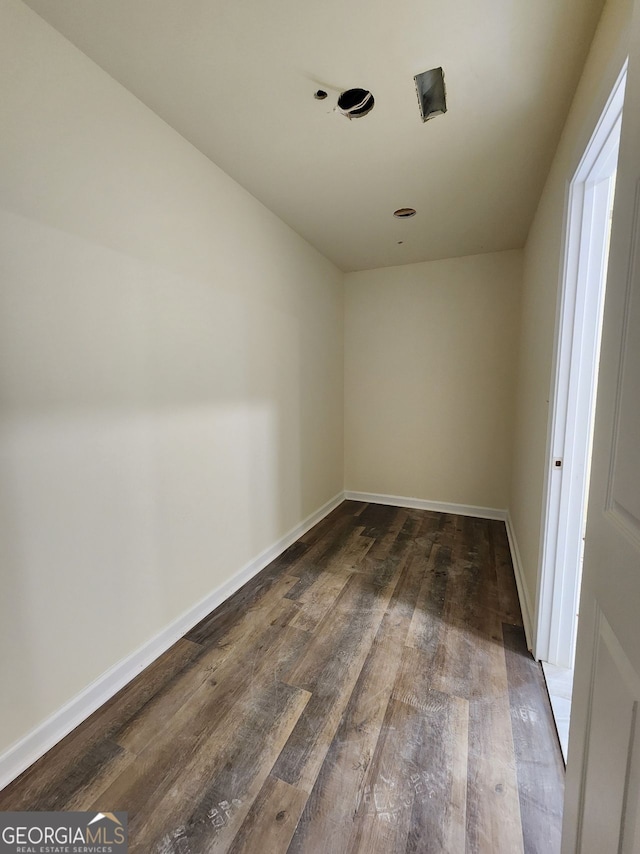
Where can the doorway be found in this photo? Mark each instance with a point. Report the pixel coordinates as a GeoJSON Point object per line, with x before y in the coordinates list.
{"type": "Point", "coordinates": [588, 226]}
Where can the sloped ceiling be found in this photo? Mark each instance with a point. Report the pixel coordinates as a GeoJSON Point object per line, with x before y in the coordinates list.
{"type": "Point", "coordinates": [237, 78]}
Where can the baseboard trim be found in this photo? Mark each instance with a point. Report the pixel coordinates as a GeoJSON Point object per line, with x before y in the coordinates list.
{"type": "Point", "coordinates": [41, 739]}
{"type": "Point", "coordinates": [423, 504]}
{"type": "Point", "coordinates": [523, 595]}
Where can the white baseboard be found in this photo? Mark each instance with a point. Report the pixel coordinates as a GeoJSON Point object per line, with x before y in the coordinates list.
{"type": "Point", "coordinates": [523, 595]}
{"type": "Point", "coordinates": [41, 739]}
{"type": "Point", "coordinates": [422, 504]}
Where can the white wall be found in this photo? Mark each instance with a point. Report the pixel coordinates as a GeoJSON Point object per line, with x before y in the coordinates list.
{"type": "Point", "coordinates": [429, 378]}
{"type": "Point", "coordinates": [541, 280]}
{"type": "Point", "coordinates": [171, 374]}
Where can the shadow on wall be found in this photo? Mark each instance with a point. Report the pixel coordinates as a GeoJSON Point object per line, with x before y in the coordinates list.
{"type": "Point", "coordinates": [154, 437]}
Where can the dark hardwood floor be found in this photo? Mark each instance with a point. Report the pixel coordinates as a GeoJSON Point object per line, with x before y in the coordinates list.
{"type": "Point", "coordinates": [370, 691]}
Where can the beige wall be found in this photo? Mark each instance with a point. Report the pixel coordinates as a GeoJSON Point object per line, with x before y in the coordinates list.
{"type": "Point", "coordinates": [171, 380]}
{"type": "Point", "coordinates": [429, 373]}
{"type": "Point", "coordinates": [171, 377]}
{"type": "Point", "coordinates": [542, 270]}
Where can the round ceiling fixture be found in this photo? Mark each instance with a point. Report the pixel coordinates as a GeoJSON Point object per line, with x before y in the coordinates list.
{"type": "Point", "coordinates": [320, 95]}
{"type": "Point", "coordinates": [355, 103]}
{"type": "Point", "coordinates": [405, 213]}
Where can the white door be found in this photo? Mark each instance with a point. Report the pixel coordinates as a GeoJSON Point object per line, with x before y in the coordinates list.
{"type": "Point", "coordinates": [602, 803]}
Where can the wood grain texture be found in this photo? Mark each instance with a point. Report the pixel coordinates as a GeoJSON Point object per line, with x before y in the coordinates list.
{"type": "Point", "coordinates": [272, 820]}
{"type": "Point", "coordinates": [539, 766]}
{"type": "Point", "coordinates": [369, 691]}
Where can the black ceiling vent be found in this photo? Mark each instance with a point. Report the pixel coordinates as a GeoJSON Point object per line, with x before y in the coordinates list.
{"type": "Point", "coordinates": [431, 93]}
{"type": "Point", "coordinates": [355, 103]}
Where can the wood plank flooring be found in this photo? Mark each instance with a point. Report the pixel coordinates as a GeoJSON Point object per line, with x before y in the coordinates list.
{"type": "Point", "coordinates": [370, 691]}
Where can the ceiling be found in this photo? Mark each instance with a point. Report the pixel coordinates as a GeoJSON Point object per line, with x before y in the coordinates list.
{"type": "Point", "coordinates": [237, 79]}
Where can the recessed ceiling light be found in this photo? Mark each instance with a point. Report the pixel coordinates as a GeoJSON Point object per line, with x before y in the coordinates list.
{"type": "Point", "coordinates": [404, 213]}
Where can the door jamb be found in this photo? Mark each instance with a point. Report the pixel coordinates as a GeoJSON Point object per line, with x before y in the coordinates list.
{"type": "Point", "coordinates": [558, 588]}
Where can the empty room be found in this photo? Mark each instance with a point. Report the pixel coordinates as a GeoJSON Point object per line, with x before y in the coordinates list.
{"type": "Point", "coordinates": [319, 447]}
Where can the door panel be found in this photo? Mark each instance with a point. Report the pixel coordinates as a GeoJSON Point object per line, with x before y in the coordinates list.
{"type": "Point", "coordinates": [603, 770]}
{"type": "Point", "coordinates": [614, 704]}
{"type": "Point", "coordinates": [624, 494]}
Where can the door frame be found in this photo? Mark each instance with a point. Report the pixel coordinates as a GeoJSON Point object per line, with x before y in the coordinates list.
{"type": "Point", "coordinates": [576, 352]}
